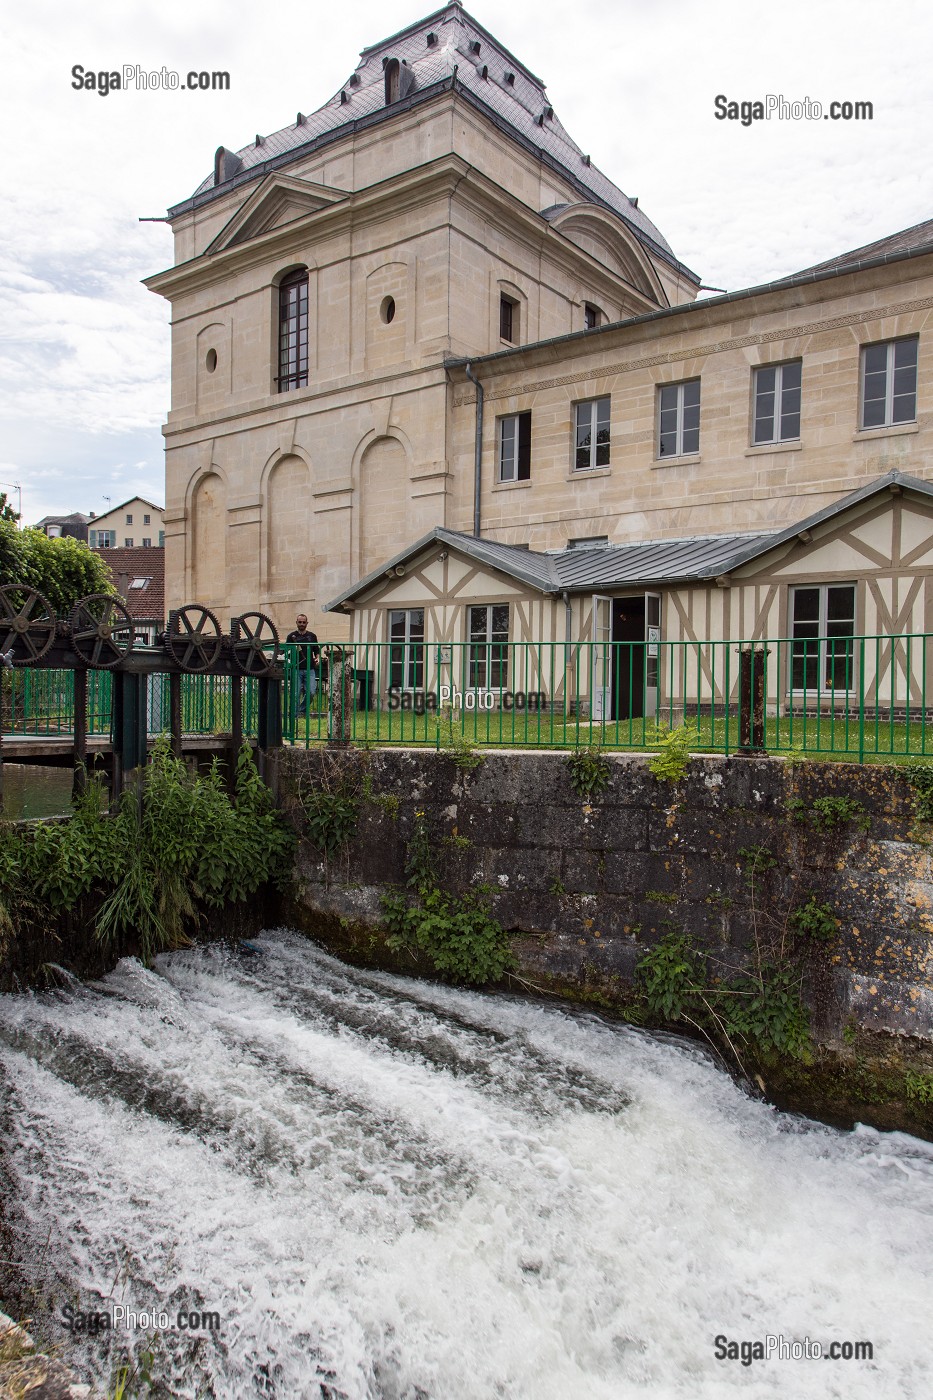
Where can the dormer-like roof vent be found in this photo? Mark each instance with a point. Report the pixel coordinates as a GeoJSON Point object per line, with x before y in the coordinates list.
{"type": "Point", "coordinates": [432, 41]}
{"type": "Point", "coordinates": [226, 165]}
{"type": "Point", "coordinates": [355, 79]}
{"type": "Point", "coordinates": [510, 79]}
{"type": "Point", "coordinates": [475, 46]}
{"type": "Point", "coordinates": [300, 119]}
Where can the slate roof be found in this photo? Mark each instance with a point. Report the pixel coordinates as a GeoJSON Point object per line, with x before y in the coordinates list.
{"type": "Point", "coordinates": [651, 562]}
{"type": "Point", "coordinates": [520, 106]}
{"type": "Point", "coordinates": [75, 518]}
{"type": "Point", "coordinates": [141, 561]}
{"type": "Point", "coordinates": [914, 239]}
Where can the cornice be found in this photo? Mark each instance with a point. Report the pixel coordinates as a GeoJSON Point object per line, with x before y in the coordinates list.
{"type": "Point", "coordinates": [595, 342]}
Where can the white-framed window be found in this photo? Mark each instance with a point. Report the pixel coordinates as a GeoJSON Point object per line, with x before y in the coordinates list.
{"type": "Point", "coordinates": [591, 434]}
{"type": "Point", "coordinates": [102, 539]}
{"type": "Point", "coordinates": [146, 520]}
{"type": "Point", "coordinates": [777, 402]}
{"type": "Point", "coordinates": [514, 448]}
{"type": "Point", "coordinates": [679, 418]}
{"type": "Point", "coordinates": [488, 659]}
{"type": "Point", "coordinates": [889, 383]}
{"type": "Point", "coordinates": [129, 519]}
{"type": "Point", "coordinates": [822, 627]}
{"type": "Point", "coordinates": [147, 543]}
{"type": "Point", "coordinates": [128, 543]}
{"type": "Point", "coordinates": [141, 582]}
{"type": "Point", "coordinates": [406, 649]}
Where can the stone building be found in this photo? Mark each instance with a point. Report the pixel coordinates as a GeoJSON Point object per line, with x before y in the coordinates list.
{"type": "Point", "coordinates": [324, 275]}
{"type": "Point", "coordinates": [432, 369]}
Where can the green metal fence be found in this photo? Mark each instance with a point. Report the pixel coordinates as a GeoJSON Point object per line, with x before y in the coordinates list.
{"type": "Point", "coordinates": [39, 702]}
{"type": "Point", "coordinates": [843, 696]}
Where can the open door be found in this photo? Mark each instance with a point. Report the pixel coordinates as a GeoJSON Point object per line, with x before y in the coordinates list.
{"type": "Point", "coordinates": [652, 655]}
{"type": "Point", "coordinates": [601, 672]}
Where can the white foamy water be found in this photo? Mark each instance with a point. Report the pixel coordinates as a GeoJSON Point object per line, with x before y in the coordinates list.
{"type": "Point", "coordinates": [394, 1191]}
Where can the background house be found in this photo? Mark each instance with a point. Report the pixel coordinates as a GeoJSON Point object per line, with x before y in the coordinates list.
{"type": "Point", "coordinates": [137, 523]}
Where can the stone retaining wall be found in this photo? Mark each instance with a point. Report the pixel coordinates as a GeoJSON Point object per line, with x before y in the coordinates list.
{"type": "Point", "coordinates": [586, 886]}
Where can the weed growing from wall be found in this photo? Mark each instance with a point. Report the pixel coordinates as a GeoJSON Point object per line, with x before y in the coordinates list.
{"type": "Point", "coordinates": [920, 777]}
{"type": "Point", "coordinates": [452, 741]}
{"type": "Point", "coordinates": [457, 932]}
{"type": "Point", "coordinates": [670, 763]}
{"type": "Point", "coordinates": [590, 772]}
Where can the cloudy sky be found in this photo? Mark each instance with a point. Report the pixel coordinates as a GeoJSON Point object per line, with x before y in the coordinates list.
{"type": "Point", "coordinates": [84, 348]}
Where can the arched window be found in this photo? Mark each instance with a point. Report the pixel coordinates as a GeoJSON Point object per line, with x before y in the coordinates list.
{"type": "Point", "coordinates": [293, 330]}
{"type": "Point", "coordinates": [392, 80]}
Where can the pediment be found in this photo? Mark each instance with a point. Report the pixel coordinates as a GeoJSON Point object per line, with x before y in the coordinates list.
{"type": "Point", "coordinates": [279, 200]}
{"type": "Point", "coordinates": [606, 238]}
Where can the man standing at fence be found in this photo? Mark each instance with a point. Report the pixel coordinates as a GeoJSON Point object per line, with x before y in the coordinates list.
{"type": "Point", "coordinates": [308, 659]}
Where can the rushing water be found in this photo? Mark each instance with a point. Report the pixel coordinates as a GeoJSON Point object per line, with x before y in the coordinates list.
{"type": "Point", "coordinates": [390, 1189]}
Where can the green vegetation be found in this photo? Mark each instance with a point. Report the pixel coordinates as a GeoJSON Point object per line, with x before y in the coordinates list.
{"type": "Point", "coordinates": [759, 1009]}
{"type": "Point", "coordinates": [62, 570]}
{"type": "Point", "coordinates": [828, 814]}
{"type": "Point", "coordinates": [669, 764]}
{"type": "Point", "coordinates": [815, 921]}
{"type": "Point", "coordinates": [455, 931]}
{"type": "Point", "coordinates": [919, 1087]}
{"type": "Point", "coordinates": [177, 847]}
{"type": "Point", "coordinates": [590, 772]}
{"type": "Point", "coordinates": [920, 778]}
{"type": "Point", "coordinates": [452, 740]}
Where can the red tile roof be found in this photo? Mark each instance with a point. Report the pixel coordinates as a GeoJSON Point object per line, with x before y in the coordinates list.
{"type": "Point", "coordinates": [142, 561]}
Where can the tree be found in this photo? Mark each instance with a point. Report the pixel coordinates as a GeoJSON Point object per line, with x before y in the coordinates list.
{"type": "Point", "coordinates": [61, 569]}
{"type": "Point", "coordinates": [6, 510]}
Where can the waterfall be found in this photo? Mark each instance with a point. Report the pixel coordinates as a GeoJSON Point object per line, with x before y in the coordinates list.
{"type": "Point", "coordinates": [392, 1190]}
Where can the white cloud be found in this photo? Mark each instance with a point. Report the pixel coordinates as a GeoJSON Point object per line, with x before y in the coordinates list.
{"type": "Point", "coordinates": [84, 348]}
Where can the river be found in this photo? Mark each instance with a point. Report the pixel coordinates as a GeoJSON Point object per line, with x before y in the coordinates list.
{"type": "Point", "coordinates": [391, 1190]}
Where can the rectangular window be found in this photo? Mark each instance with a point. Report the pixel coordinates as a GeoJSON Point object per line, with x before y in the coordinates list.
{"type": "Point", "coordinates": [128, 543]}
{"type": "Point", "coordinates": [406, 649]}
{"type": "Point", "coordinates": [515, 447]}
{"type": "Point", "coordinates": [822, 626]}
{"type": "Point", "coordinates": [161, 538]}
{"type": "Point", "coordinates": [147, 543]}
{"type": "Point", "coordinates": [293, 332]}
{"type": "Point", "coordinates": [592, 316]}
{"type": "Point", "coordinates": [777, 403]}
{"type": "Point", "coordinates": [508, 319]}
{"type": "Point", "coordinates": [592, 434]}
{"type": "Point", "coordinates": [679, 419]}
{"type": "Point", "coordinates": [488, 661]}
{"type": "Point", "coordinates": [146, 520]}
{"type": "Point", "coordinates": [102, 539]}
{"type": "Point", "coordinates": [889, 383]}
{"type": "Point", "coordinates": [129, 520]}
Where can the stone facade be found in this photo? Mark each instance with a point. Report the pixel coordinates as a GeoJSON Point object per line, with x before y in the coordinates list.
{"type": "Point", "coordinates": [417, 203]}
{"type": "Point", "coordinates": [437, 205]}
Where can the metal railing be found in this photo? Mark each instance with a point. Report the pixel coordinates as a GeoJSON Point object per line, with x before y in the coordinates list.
{"type": "Point", "coordinates": [41, 703]}
{"type": "Point", "coordinates": [847, 696]}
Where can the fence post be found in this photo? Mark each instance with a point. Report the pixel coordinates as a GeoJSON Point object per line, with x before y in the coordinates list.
{"type": "Point", "coordinates": [80, 732]}
{"type": "Point", "coordinates": [752, 662]}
